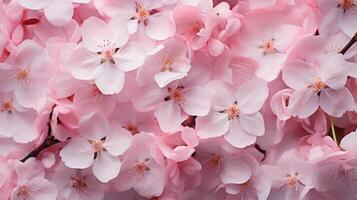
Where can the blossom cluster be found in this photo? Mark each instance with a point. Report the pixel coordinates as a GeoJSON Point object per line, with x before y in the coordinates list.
{"type": "Point", "coordinates": [178, 100]}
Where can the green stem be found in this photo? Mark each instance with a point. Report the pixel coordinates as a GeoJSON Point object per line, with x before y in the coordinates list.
{"type": "Point", "coordinates": [333, 132]}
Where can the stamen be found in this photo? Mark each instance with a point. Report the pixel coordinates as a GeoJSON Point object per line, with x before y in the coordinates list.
{"type": "Point", "coordinates": [23, 76]}
{"type": "Point", "coordinates": [97, 145]}
{"type": "Point", "coordinates": [79, 183]}
{"type": "Point", "coordinates": [175, 94]}
{"type": "Point", "coordinates": [132, 128]}
{"type": "Point", "coordinates": [167, 63]}
{"type": "Point", "coordinates": [292, 182]}
{"type": "Point", "coordinates": [142, 14]}
{"type": "Point", "coordinates": [269, 47]}
{"type": "Point", "coordinates": [233, 111]}
{"type": "Point", "coordinates": [215, 161]}
{"type": "Point", "coordinates": [346, 4]}
{"type": "Point", "coordinates": [318, 85]}
{"type": "Point", "coordinates": [7, 106]}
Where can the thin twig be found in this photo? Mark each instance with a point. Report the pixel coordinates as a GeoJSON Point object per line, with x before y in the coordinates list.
{"type": "Point", "coordinates": [49, 141]}
{"type": "Point", "coordinates": [349, 44]}
{"type": "Point", "coordinates": [333, 132]}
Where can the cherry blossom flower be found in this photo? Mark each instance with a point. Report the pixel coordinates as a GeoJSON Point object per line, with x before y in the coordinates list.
{"type": "Point", "coordinates": [105, 54]}
{"type": "Point", "coordinates": [317, 86]}
{"type": "Point", "coordinates": [25, 72]}
{"type": "Point", "coordinates": [235, 114]}
{"type": "Point", "coordinates": [99, 144]}
{"type": "Point", "coordinates": [58, 13]}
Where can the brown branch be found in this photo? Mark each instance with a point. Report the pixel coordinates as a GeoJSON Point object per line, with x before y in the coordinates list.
{"type": "Point", "coordinates": [49, 141]}
{"type": "Point", "coordinates": [349, 44]}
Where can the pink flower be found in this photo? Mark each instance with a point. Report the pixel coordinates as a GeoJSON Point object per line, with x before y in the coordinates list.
{"type": "Point", "coordinates": [77, 184]}
{"type": "Point", "coordinates": [173, 102]}
{"type": "Point", "coordinates": [318, 85]}
{"type": "Point", "coordinates": [266, 39]}
{"type": "Point", "coordinates": [142, 168]}
{"type": "Point", "coordinates": [338, 12]}
{"type": "Point", "coordinates": [17, 122]}
{"type": "Point", "coordinates": [279, 104]}
{"type": "Point", "coordinates": [26, 73]}
{"type": "Point", "coordinates": [170, 63]}
{"type": "Point", "coordinates": [235, 114]}
{"type": "Point", "coordinates": [149, 15]}
{"type": "Point", "coordinates": [31, 183]}
{"type": "Point", "coordinates": [99, 144]}
{"type": "Point", "coordinates": [58, 13]}
{"type": "Point", "coordinates": [105, 54]}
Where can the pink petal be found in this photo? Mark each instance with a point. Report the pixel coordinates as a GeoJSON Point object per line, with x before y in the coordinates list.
{"type": "Point", "coordinates": [164, 78]}
{"type": "Point", "coordinates": [298, 74]}
{"type": "Point", "coordinates": [215, 47]}
{"type": "Point", "coordinates": [235, 171]}
{"type": "Point", "coordinates": [251, 96]}
{"type": "Point", "coordinates": [93, 126]}
{"type": "Point", "coordinates": [31, 96]}
{"type": "Point", "coordinates": [117, 141]}
{"type": "Point", "coordinates": [130, 57]}
{"type": "Point", "coordinates": [332, 70]}
{"type": "Point", "coordinates": [348, 22]}
{"type": "Point", "coordinates": [106, 167]}
{"type": "Point", "coordinates": [149, 99]}
{"type": "Point", "coordinates": [196, 101]}
{"type": "Point", "coordinates": [7, 83]}
{"type": "Point", "coordinates": [237, 137]}
{"type": "Point", "coordinates": [59, 13]}
{"type": "Point", "coordinates": [109, 80]}
{"type": "Point", "coordinates": [117, 27]}
{"type": "Point", "coordinates": [348, 142]}
{"type": "Point", "coordinates": [165, 29]}
{"type": "Point", "coordinates": [78, 154]}
{"type": "Point", "coordinates": [39, 189]}
{"type": "Point", "coordinates": [336, 102]}
{"type": "Point", "coordinates": [214, 125]}
{"type": "Point", "coordinates": [151, 184]}
{"type": "Point", "coordinates": [169, 116]}
{"type": "Point", "coordinates": [189, 137]}
{"type": "Point", "coordinates": [83, 63]}
{"type": "Point", "coordinates": [252, 124]}
{"type": "Point", "coordinates": [34, 4]}
{"type": "Point", "coordinates": [303, 103]}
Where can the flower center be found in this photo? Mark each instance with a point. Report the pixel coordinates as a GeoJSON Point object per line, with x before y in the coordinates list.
{"type": "Point", "coordinates": [346, 4]}
{"type": "Point", "coordinates": [196, 27]}
{"type": "Point", "coordinates": [142, 14]}
{"type": "Point", "coordinates": [269, 47]}
{"type": "Point", "coordinates": [175, 94]}
{"type": "Point", "coordinates": [108, 56]}
{"type": "Point", "coordinates": [23, 192]}
{"type": "Point", "coordinates": [215, 161]}
{"type": "Point", "coordinates": [318, 85]}
{"type": "Point", "coordinates": [142, 167]}
{"type": "Point", "coordinates": [23, 76]}
{"type": "Point", "coordinates": [132, 128]}
{"type": "Point", "coordinates": [97, 145]}
{"type": "Point", "coordinates": [167, 64]}
{"type": "Point", "coordinates": [292, 182]}
{"type": "Point", "coordinates": [7, 106]}
{"type": "Point", "coordinates": [233, 111]}
{"type": "Point", "coordinates": [79, 183]}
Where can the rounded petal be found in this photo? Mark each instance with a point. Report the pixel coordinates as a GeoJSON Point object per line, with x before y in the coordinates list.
{"type": "Point", "coordinates": [34, 4]}
{"type": "Point", "coordinates": [6, 81]}
{"type": "Point", "coordinates": [333, 71]}
{"type": "Point", "coordinates": [59, 13]}
{"type": "Point", "coordinates": [169, 116]}
{"type": "Point", "coordinates": [336, 102]}
{"type": "Point", "coordinates": [77, 154]}
{"type": "Point", "coordinates": [93, 126]}
{"type": "Point", "coordinates": [253, 124]}
{"type": "Point", "coordinates": [214, 125]}
{"type": "Point", "coordinates": [303, 103]}
{"type": "Point", "coordinates": [130, 57]}
{"type": "Point", "coordinates": [118, 28]}
{"type": "Point", "coordinates": [196, 101]}
{"type": "Point", "coordinates": [109, 80]}
{"type": "Point", "coordinates": [39, 189]}
{"type": "Point", "coordinates": [149, 99]}
{"type": "Point", "coordinates": [238, 137]}
{"type": "Point", "coordinates": [251, 96]}
{"type": "Point", "coordinates": [83, 63]}
{"type": "Point", "coordinates": [235, 171]}
{"type": "Point", "coordinates": [118, 141]}
{"type": "Point", "coordinates": [31, 96]}
{"type": "Point", "coordinates": [164, 78]}
{"type": "Point", "coordinates": [106, 167]}
{"type": "Point", "coordinates": [160, 26]}
{"type": "Point", "coordinates": [298, 74]}
{"type": "Point", "coordinates": [348, 22]}
{"type": "Point", "coordinates": [151, 184]}
{"type": "Point", "coordinates": [348, 142]}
